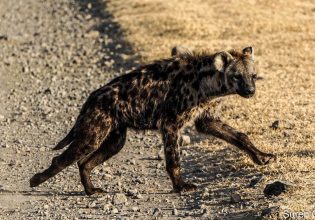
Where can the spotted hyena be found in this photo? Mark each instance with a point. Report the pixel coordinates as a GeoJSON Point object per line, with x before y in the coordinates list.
{"type": "Point", "coordinates": [163, 95]}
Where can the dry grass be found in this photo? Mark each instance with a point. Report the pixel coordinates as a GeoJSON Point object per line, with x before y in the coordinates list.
{"type": "Point", "coordinates": [283, 35]}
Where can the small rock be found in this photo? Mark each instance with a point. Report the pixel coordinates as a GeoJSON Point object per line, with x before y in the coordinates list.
{"type": "Point", "coordinates": [175, 212]}
{"type": "Point", "coordinates": [132, 162]}
{"type": "Point", "coordinates": [135, 209]}
{"type": "Point", "coordinates": [156, 212]}
{"type": "Point", "coordinates": [92, 34]}
{"type": "Point", "coordinates": [275, 124]}
{"type": "Point", "coordinates": [3, 37]}
{"type": "Point", "coordinates": [255, 181]}
{"type": "Point", "coordinates": [236, 198]}
{"type": "Point", "coordinates": [269, 211]}
{"type": "Point", "coordinates": [132, 192]}
{"type": "Point", "coordinates": [124, 56]}
{"type": "Point", "coordinates": [160, 155]}
{"type": "Point", "coordinates": [139, 196]}
{"type": "Point", "coordinates": [184, 153]}
{"type": "Point", "coordinates": [186, 139]}
{"type": "Point", "coordinates": [114, 211]}
{"type": "Point", "coordinates": [92, 205]}
{"type": "Point", "coordinates": [2, 117]}
{"type": "Point", "coordinates": [88, 17]}
{"type": "Point", "coordinates": [119, 198]}
{"type": "Point", "coordinates": [204, 211]}
{"type": "Point", "coordinates": [159, 165]}
{"type": "Point", "coordinates": [276, 188]}
{"type": "Point", "coordinates": [287, 133]}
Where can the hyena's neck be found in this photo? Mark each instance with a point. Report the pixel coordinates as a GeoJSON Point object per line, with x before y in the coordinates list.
{"type": "Point", "coordinates": [212, 83]}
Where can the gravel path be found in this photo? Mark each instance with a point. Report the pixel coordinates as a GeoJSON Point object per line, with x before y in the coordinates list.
{"type": "Point", "coordinates": [52, 55]}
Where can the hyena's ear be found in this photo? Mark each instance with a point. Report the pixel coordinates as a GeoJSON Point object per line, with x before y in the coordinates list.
{"type": "Point", "coordinates": [222, 60]}
{"type": "Point", "coordinates": [180, 51]}
{"type": "Point", "coordinates": [249, 51]}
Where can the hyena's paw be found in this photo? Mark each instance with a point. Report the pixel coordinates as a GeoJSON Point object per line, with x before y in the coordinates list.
{"type": "Point", "coordinates": [263, 159]}
{"type": "Point", "coordinates": [94, 191]}
{"type": "Point", "coordinates": [185, 187]}
{"type": "Point", "coordinates": [36, 180]}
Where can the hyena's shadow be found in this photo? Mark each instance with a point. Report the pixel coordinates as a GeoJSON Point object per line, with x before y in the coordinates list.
{"type": "Point", "coordinates": [124, 55]}
{"type": "Point", "coordinates": [219, 173]}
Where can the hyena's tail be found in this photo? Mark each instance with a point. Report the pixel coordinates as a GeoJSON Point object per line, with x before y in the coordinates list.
{"type": "Point", "coordinates": [66, 141]}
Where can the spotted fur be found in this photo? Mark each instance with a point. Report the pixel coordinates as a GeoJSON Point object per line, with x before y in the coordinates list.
{"type": "Point", "coordinates": [163, 95]}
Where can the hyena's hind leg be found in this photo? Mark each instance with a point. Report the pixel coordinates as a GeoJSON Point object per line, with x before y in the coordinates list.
{"type": "Point", "coordinates": [113, 143]}
{"type": "Point", "coordinates": [90, 134]}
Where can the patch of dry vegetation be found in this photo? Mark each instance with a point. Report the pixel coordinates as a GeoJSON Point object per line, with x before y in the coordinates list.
{"type": "Point", "coordinates": [283, 35]}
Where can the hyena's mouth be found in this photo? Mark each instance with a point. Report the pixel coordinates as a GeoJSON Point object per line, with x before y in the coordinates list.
{"type": "Point", "coordinates": [246, 95]}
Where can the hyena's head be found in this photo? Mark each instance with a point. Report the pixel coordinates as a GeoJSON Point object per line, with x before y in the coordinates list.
{"type": "Point", "coordinates": [234, 69]}
{"type": "Point", "coordinates": [239, 74]}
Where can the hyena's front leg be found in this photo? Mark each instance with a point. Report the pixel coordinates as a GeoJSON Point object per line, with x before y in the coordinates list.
{"type": "Point", "coordinates": [170, 138]}
{"type": "Point", "coordinates": [217, 128]}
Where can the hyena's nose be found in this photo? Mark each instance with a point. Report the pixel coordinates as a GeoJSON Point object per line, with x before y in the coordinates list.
{"type": "Point", "coordinates": [250, 90]}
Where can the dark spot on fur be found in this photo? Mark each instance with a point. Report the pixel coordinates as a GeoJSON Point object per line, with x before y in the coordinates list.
{"type": "Point", "coordinates": [191, 98]}
{"type": "Point", "coordinates": [176, 65]}
{"type": "Point", "coordinates": [189, 67]}
{"type": "Point", "coordinates": [144, 94]}
{"type": "Point", "coordinates": [155, 93]}
{"type": "Point", "coordinates": [145, 80]}
{"type": "Point", "coordinates": [133, 92]}
{"type": "Point", "coordinates": [224, 88]}
{"type": "Point", "coordinates": [186, 91]}
{"type": "Point", "coordinates": [195, 84]}
{"type": "Point", "coordinates": [185, 104]}
{"type": "Point", "coordinates": [157, 71]}
{"type": "Point", "coordinates": [123, 95]}
{"type": "Point", "coordinates": [195, 62]}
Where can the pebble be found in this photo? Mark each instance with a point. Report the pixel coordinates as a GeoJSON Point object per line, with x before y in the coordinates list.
{"type": "Point", "coordinates": [256, 180]}
{"type": "Point", "coordinates": [175, 212]}
{"type": "Point", "coordinates": [156, 212]}
{"type": "Point", "coordinates": [235, 198]}
{"type": "Point", "coordinates": [114, 211]}
{"type": "Point", "coordinates": [119, 198]}
{"type": "Point", "coordinates": [269, 211]}
{"type": "Point", "coordinates": [135, 209]}
{"type": "Point", "coordinates": [276, 188]}
{"type": "Point", "coordinates": [139, 196]}
{"type": "Point", "coordinates": [275, 124]}
{"type": "Point", "coordinates": [92, 34]}
{"type": "Point", "coordinates": [132, 192]}
{"type": "Point", "coordinates": [186, 140]}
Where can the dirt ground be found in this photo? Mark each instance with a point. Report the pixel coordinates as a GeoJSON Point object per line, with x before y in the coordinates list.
{"type": "Point", "coordinates": [54, 53]}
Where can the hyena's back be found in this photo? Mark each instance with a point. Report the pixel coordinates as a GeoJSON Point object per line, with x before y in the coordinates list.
{"type": "Point", "coordinates": [134, 99]}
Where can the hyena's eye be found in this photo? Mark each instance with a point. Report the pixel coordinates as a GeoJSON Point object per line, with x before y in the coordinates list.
{"type": "Point", "coordinates": [237, 77]}
{"type": "Point", "coordinates": [254, 76]}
